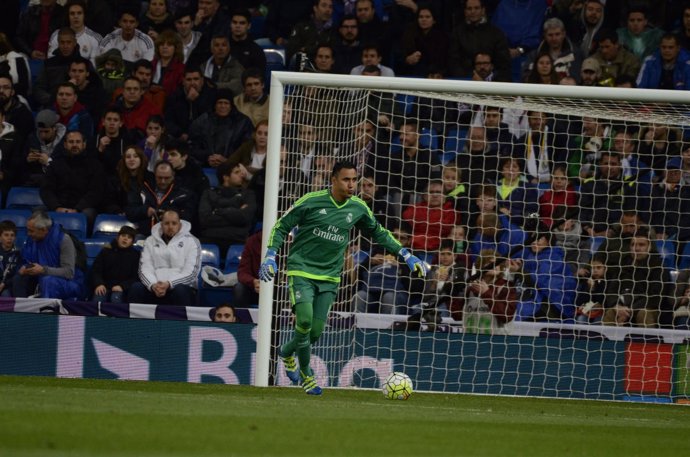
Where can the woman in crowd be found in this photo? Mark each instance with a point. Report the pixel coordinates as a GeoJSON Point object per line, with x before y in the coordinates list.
{"type": "Point", "coordinates": [168, 69]}
{"type": "Point", "coordinates": [252, 153]}
{"type": "Point", "coordinates": [424, 46]}
{"type": "Point", "coordinates": [543, 71]}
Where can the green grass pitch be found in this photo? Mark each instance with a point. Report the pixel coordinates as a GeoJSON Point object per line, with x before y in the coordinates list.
{"type": "Point", "coordinates": [61, 417]}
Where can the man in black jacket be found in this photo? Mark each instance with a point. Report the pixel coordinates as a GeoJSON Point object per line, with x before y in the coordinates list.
{"type": "Point", "coordinates": [194, 98]}
{"type": "Point", "coordinates": [74, 182]}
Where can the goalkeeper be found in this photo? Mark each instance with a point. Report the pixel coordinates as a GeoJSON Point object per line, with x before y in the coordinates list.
{"type": "Point", "coordinates": [314, 265]}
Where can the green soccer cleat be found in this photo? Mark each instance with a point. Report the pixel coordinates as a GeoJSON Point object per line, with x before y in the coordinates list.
{"type": "Point", "coordinates": [310, 386]}
{"type": "Point", "coordinates": [291, 368]}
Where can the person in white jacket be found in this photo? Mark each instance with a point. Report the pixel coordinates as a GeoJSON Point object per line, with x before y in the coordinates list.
{"type": "Point", "coordinates": [170, 264]}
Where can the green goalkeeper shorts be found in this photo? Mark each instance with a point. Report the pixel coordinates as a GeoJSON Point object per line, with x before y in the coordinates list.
{"type": "Point", "coordinates": [305, 290]}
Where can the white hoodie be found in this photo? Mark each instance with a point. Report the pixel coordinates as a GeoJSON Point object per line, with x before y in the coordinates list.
{"type": "Point", "coordinates": [178, 262]}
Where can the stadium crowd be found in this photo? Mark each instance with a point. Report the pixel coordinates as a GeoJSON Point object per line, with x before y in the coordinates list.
{"type": "Point", "coordinates": [132, 108]}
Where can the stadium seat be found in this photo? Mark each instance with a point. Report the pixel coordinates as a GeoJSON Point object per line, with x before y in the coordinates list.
{"type": "Point", "coordinates": [24, 197]}
{"type": "Point", "coordinates": [684, 260]}
{"type": "Point", "coordinates": [275, 61]}
{"type": "Point", "coordinates": [107, 225]}
{"type": "Point", "coordinates": [429, 139]}
{"type": "Point", "coordinates": [210, 255]}
{"type": "Point", "coordinates": [596, 243]}
{"type": "Point", "coordinates": [74, 223]}
{"type": "Point", "coordinates": [232, 257]}
{"type": "Point", "coordinates": [18, 216]}
{"type": "Point", "coordinates": [667, 251]}
{"type": "Point", "coordinates": [405, 103]}
{"type": "Point", "coordinates": [455, 140]}
{"type": "Point", "coordinates": [211, 176]}
{"type": "Point", "coordinates": [93, 248]}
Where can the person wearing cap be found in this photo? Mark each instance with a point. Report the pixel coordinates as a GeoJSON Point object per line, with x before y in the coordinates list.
{"type": "Point", "coordinates": [132, 42]}
{"type": "Point", "coordinates": [222, 68]}
{"type": "Point", "coordinates": [42, 146]}
{"type": "Point", "coordinates": [615, 61]}
{"type": "Point", "coordinates": [116, 268]}
{"type": "Point", "coordinates": [214, 136]}
{"type": "Point", "coordinates": [667, 68]}
{"type": "Point", "coordinates": [590, 72]}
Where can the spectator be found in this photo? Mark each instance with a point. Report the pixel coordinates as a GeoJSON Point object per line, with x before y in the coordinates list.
{"type": "Point", "coordinates": [52, 267]}
{"type": "Point", "coordinates": [10, 154]}
{"type": "Point", "coordinates": [684, 32]}
{"type": "Point", "coordinates": [221, 68]}
{"type": "Point", "coordinates": [567, 58]}
{"type": "Point", "coordinates": [136, 110]}
{"type": "Point", "coordinates": [90, 91]}
{"type": "Point", "coordinates": [670, 205]}
{"type": "Point", "coordinates": [74, 182]}
{"type": "Point", "coordinates": [590, 72]}
{"type": "Point", "coordinates": [253, 102]}
{"type": "Point", "coordinates": [132, 42]}
{"type": "Point", "coordinates": [15, 66]}
{"type": "Point", "coordinates": [187, 103]}
{"type": "Point", "coordinates": [476, 34]}
{"type": "Point", "coordinates": [184, 23]}
{"type": "Point", "coordinates": [642, 283]}
{"type": "Point", "coordinates": [87, 40]}
{"type": "Point", "coordinates": [214, 136]}
{"type": "Point", "coordinates": [583, 27]}
{"type": "Point", "coordinates": [423, 46]}
{"type": "Point", "coordinates": [227, 212]}
{"type": "Point", "coordinates": [657, 144]}
{"type": "Point", "coordinates": [168, 69]}
{"type": "Point", "coordinates": [306, 35]}
{"type": "Point", "coordinates": [586, 148]}
{"type": "Point", "coordinates": [55, 68]}
{"type": "Point", "coordinates": [323, 58]}
{"type": "Point", "coordinates": [132, 174]}
{"type": "Point", "coordinates": [561, 194]}
{"type": "Point", "coordinates": [36, 25]}
{"type": "Point", "coordinates": [170, 264]}
{"type": "Point", "coordinates": [371, 55]}
{"type": "Point", "coordinates": [155, 141]}
{"type": "Point", "coordinates": [614, 60]}
{"type": "Point", "coordinates": [454, 190]}
{"type": "Point", "coordinates": [111, 69]}
{"type": "Point", "coordinates": [242, 47]}
{"type": "Point", "coordinates": [495, 233]}
{"type": "Point", "coordinates": [73, 115]}
{"type": "Point", "coordinates": [225, 313]}
{"type": "Point", "coordinates": [681, 309]}
{"type": "Point", "coordinates": [252, 154]}
{"type": "Point", "coordinates": [143, 71]}
{"type": "Point", "coordinates": [188, 174]}
{"type": "Point", "coordinates": [16, 109]}
{"type": "Point", "coordinates": [211, 21]}
{"type": "Point", "coordinates": [444, 280]}
{"type": "Point", "coordinates": [372, 28]}
{"type": "Point", "coordinates": [110, 142]}
{"type": "Point", "coordinates": [375, 198]}
{"type": "Point", "coordinates": [567, 234]}
{"type": "Point", "coordinates": [483, 69]}
{"type": "Point", "coordinates": [625, 143]}
{"type": "Point", "coordinates": [116, 268]}
{"type": "Point", "coordinates": [552, 279]}
{"type": "Point", "coordinates": [596, 293]}
{"type": "Point", "coordinates": [43, 146]}
{"type": "Point", "coordinates": [146, 204]}
{"type": "Point", "coordinates": [667, 68]}
{"type": "Point", "coordinates": [605, 196]}
{"type": "Point", "coordinates": [156, 20]}
{"type": "Point", "coordinates": [432, 219]}
{"type": "Point", "coordinates": [543, 71]}
{"type": "Point", "coordinates": [517, 197]}
{"type": "Point", "coordinates": [347, 46]}
{"type": "Point", "coordinates": [10, 257]}
{"type": "Point", "coordinates": [638, 36]}
{"type": "Point", "coordinates": [246, 291]}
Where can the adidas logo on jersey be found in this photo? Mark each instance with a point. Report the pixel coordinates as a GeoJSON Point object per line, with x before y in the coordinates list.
{"type": "Point", "coordinates": [323, 211]}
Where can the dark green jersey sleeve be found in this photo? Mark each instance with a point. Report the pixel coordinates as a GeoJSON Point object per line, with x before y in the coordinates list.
{"type": "Point", "coordinates": [285, 224]}
{"type": "Point", "coordinates": [371, 227]}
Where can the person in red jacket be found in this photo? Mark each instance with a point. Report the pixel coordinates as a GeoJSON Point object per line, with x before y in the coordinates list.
{"type": "Point", "coordinates": [561, 193]}
{"type": "Point", "coordinates": [136, 110]}
{"type": "Point", "coordinates": [432, 219]}
{"type": "Point", "coordinates": [168, 69]}
{"type": "Point", "coordinates": [246, 291]}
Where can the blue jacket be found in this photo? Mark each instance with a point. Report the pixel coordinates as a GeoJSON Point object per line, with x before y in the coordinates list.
{"type": "Point", "coordinates": [522, 201]}
{"type": "Point", "coordinates": [553, 280]}
{"type": "Point", "coordinates": [650, 73]}
{"type": "Point", "coordinates": [521, 21]}
{"type": "Point", "coordinates": [508, 236]}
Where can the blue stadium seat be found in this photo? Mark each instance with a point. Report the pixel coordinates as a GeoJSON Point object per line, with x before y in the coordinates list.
{"type": "Point", "coordinates": [232, 258]}
{"type": "Point", "coordinates": [455, 140]}
{"type": "Point", "coordinates": [667, 250]}
{"type": "Point", "coordinates": [210, 255]}
{"type": "Point", "coordinates": [211, 176]}
{"type": "Point", "coordinates": [107, 225]}
{"type": "Point", "coordinates": [24, 197]}
{"type": "Point", "coordinates": [93, 248]}
{"type": "Point", "coordinates": [275, 61]}
{"type": "Point", "coordinates": [405, 103]}
{"type": "Point", "coordinates": [596, 243]}
{"type": "Point", "coordinates": [18, 216]}
{"type": "Point", "coordinates": [429, 139]}
{"type": "Point", "coordinates": [74, 223]}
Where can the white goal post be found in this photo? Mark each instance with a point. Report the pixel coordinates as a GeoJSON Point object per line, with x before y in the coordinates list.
{"type": "Point", "coordinates": [613, 104]}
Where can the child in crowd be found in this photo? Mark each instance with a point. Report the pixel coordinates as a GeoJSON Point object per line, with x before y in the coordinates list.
{"type": "Point", "coordinates": [116, 268]}
{"type": "Point", "coordinates": [9, 257]}
{"type": "Point", "coordinates": [595, 292]}
{"type": "Point", "coordinates": [445, 280]}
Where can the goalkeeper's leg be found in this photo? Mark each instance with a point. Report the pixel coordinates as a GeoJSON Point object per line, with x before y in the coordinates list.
{"type": "Point", "coordinates": [301, 298]}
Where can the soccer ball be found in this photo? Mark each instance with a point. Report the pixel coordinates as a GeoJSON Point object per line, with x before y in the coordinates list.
{"type": "Point", "coordinates": [398, 386]}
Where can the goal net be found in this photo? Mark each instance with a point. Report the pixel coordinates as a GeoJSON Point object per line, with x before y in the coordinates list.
{"type": "Point", "coordinates": [555, 220]}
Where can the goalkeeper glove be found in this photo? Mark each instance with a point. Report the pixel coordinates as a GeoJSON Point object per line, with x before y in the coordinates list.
{"type": "Point", "coordinates": [414, 263]}
{"type": "Point", "coordinates": [268, 267]}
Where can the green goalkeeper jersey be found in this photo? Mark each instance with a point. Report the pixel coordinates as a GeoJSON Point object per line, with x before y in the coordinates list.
{"type": "Point", "coordinates": [323, 233]}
